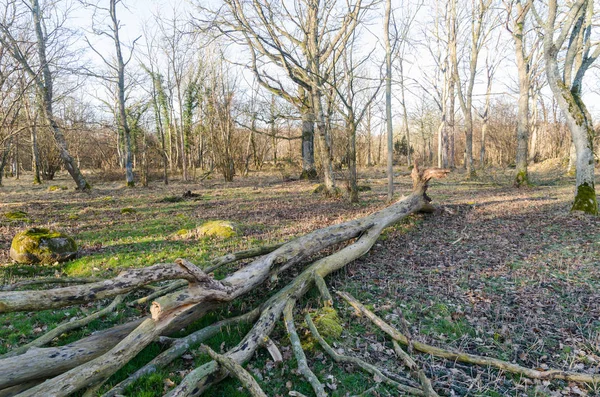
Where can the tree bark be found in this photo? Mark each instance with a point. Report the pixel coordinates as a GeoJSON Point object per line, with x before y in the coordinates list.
{"type": "Point", "coordinates": [388, 101]}
{"type": "Point", "coordinates": [522, 178]}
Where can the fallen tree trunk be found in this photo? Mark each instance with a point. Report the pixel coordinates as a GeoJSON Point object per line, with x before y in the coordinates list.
{"type": "Point", "coordinates": [203, 294]}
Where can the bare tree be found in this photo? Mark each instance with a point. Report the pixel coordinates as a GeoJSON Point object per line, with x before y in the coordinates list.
{"type": "Point", "coordinates": [304, 42]}
{"type": "Point", "coordinates": [569, 31]}
{"type": "Point", "coordinates": [481, 25]}
{"type": "Point", "coordinates": [39, 69]}
{"type": "Point", "coordinates": [517, 18]}
{"type": "Point", "coordinates": [117, 77]}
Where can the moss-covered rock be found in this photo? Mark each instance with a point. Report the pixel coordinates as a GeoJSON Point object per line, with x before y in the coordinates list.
{"type": "Point", "coordinates": [218, 228]}
{"type": "Point", "coordinates": [45, 246]}
{"type": "Point", "coordinates": [127, 210]}
{"type": "Point", "coordinates": [17, 216]}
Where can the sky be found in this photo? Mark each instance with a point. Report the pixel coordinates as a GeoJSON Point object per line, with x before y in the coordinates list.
{"type": "Point", "coordinates": [140, 13]}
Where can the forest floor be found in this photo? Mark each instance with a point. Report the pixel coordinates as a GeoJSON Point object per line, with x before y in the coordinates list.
{"type": "Point", "coordinates": [495, 271]}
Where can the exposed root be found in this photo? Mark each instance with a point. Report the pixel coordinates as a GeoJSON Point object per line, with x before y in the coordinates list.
{"type": "Point", "coordinates": [65, 327]}
{"type": "Point", "coordinates": [303, 367]}
{"type": "Point", "coordinates": [470, 358]}
{"type": "Point", "coordinates": [238, 371]}
{"type": "Point", "coordinates": [373, 370]}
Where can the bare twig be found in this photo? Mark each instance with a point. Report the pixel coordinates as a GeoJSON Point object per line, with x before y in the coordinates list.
{"type": "Point", "coordinates": [373, 370]}
{"type": "Point", "coordinates": [288, 317]}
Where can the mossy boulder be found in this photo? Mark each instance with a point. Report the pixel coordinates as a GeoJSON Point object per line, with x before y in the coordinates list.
{"type": "Point", "coordinates": [128, 210]}
{"type": "Point", "coordinates": [218, 228]}
{"type": "Point", "coordinates": [45, 246]}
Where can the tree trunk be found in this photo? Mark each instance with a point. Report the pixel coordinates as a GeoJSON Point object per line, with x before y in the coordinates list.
{"type": "Point", "coordinates": [352, 177]}
{"type": "Point", "coordinates": [522, 178]}
{"type": "Point", "coordinates": [121, 96]}
{"type": "Point", "coordinates": [388, 101]}
{"type": "Point", "coordinates": [405, 115]}
{"type": "Point", "coordinates": [4, 158]}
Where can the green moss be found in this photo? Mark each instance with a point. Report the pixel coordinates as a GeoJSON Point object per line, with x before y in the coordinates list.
{"type": "Point", "coordinates": [364, 188]}
{"type": "Point", "coordinates": [54, 188]}
{"type": "Point", "coordinates": [309, 174]}
{"type": "Point", "coordinates": [219, 228]}
{"type": "Point", "coordinates": [522, 179]}
{"type": "Point", "coordinates": [17, 216]}
{"type": "Point", "coordinates": [128, 210]}
{"type": "Point", "coordinates": [39, 245]}
{"type": "Point", "coordinates": [130, 184]}
{"type": "Point", "coordinates": [328, 323]}
{"type": "Point", "coordinates": [585, 199]}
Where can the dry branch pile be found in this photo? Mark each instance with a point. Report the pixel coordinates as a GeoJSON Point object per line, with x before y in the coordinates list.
{"type": "Point", "coordinates": [86, 364]}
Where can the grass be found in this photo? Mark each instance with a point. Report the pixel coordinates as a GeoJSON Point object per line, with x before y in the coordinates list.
{"type": "Point", "coordinates": [460, 278]}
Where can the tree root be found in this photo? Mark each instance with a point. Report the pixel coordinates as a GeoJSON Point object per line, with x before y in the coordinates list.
{"type": "Point", "coordinates": [469, 358]}
{"type": "Point", "coordinates": [238, 371]}
{"type": "Point", "coordinates": [370, 368]}
{"type": "Point", "coordinates": [65, 327]}
{"type": "Point", "coordinates": [303, 367]}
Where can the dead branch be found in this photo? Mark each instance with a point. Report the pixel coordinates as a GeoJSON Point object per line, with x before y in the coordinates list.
{"type": "Point", "coordinates": [303, 367]}
{"type": "Point", "coordinates": [174, 286]}
{"type": "Point", "coordinates": [373, 370]}
{"type": "Point", "coordinates": [415, 371]}
{"type": "Point", "coordinates": [215, 264]}
{"type": "Point", "coordinates": [180, 346]}
{"type": "Point", "coordinates": [49, 280]}
{"type": "Point", "coordinates": [238, 371]}
{"type": "Point", "coordinates": [470, 358]}
{"type": "Point", "coordinates": [65, 327]}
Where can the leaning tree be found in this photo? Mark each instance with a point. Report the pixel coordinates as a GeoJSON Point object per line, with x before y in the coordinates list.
{"type": "Point", "coordinates": [570, 49]}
